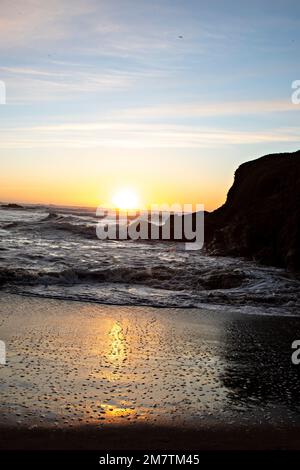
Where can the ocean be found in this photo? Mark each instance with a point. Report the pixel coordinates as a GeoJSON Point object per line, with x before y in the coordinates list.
{"type": "Point", "coordinates": [54, 252]}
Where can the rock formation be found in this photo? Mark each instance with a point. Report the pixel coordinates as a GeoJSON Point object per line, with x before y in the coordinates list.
{"type": "Point", "coordinates": [261, 216]}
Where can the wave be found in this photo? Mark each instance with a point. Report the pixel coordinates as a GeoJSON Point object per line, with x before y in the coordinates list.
{"type": "Point", "coordinates": [160, 277]}
{"type": "Point", "coordinates": [56, 221]}
{"type": "Point", "coordinates": [159, 285]}
{"type": "Point", "coordinates": [84, 226]}
{"type": "Point", "coordinates": [73, 276]}
{"type": "Point", "coordinates": [126, 287]}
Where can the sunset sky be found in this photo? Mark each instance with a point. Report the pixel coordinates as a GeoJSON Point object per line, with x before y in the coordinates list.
{"type": "Point", "coordinates": [166, 97]}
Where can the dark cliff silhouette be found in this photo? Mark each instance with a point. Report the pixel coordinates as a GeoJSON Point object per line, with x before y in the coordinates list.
{"type": "Point", "coordinates": [261, 216]}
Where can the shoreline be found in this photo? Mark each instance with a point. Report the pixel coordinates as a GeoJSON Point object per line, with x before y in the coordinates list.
{"type": "Point", "coordinates": [211, 307]}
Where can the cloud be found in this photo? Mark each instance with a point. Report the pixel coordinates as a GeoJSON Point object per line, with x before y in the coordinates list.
{"type": "Point", "coordinates": [32, 22]}
{"type": "Point", "coordinates": [136, 135]}
{"type": "Point", "coordinates": [62, 82]}
{"type": "Point", "coordinates": [85, 27]}
{"type": "Point", "coordinates": [189, 110]}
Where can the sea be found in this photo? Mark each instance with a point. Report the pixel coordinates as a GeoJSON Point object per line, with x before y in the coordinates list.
{"type": "Point", "coordinates": [54, 252]}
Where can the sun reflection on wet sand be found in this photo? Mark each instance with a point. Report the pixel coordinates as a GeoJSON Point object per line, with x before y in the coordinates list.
{"type": "Point", "coordinates": [112, 411]}
{"type": "Point", "coordinates": [100, 364]}
{"type": "Point", "coordinates": [118, 347]}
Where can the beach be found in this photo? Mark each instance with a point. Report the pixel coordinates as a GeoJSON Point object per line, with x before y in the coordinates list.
{"type": "Point", "coordinates": [90, 376]}
{"type": "Point", "coordinates": [149, 232]}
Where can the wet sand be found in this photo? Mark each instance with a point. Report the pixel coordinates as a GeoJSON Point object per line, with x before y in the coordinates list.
{"type": "Point", "coordinates": [81, 375]}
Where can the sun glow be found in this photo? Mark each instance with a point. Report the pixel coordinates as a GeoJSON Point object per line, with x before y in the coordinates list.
{"type": "Point", "coordinates": [126, 199]}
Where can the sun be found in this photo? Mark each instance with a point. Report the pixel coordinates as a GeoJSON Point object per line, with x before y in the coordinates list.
{"type": "Point", "coordinates": [126, 199]}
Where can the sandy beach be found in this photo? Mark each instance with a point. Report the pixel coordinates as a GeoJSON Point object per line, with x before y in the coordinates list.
{"type": "Point", "coordinates": [82, 375]}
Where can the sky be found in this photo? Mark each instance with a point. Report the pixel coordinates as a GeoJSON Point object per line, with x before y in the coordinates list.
{"type": "Point", "coordinates": [164, 97]}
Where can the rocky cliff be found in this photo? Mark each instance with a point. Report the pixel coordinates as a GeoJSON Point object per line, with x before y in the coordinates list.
{"type": "Point", "coordinates": [261, 216]}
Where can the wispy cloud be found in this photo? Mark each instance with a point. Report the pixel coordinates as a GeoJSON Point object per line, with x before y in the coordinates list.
{"type": "Point", "coordinates": [36, 22]}
{"type": "Point", "coordinates": [188, 110]}
{"type": "Point", "coordinates": [86, 26]}
{"type": "Point", "coordinates": [58, 82]}
{"type": "Point", "coordinates": [120, 135]}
